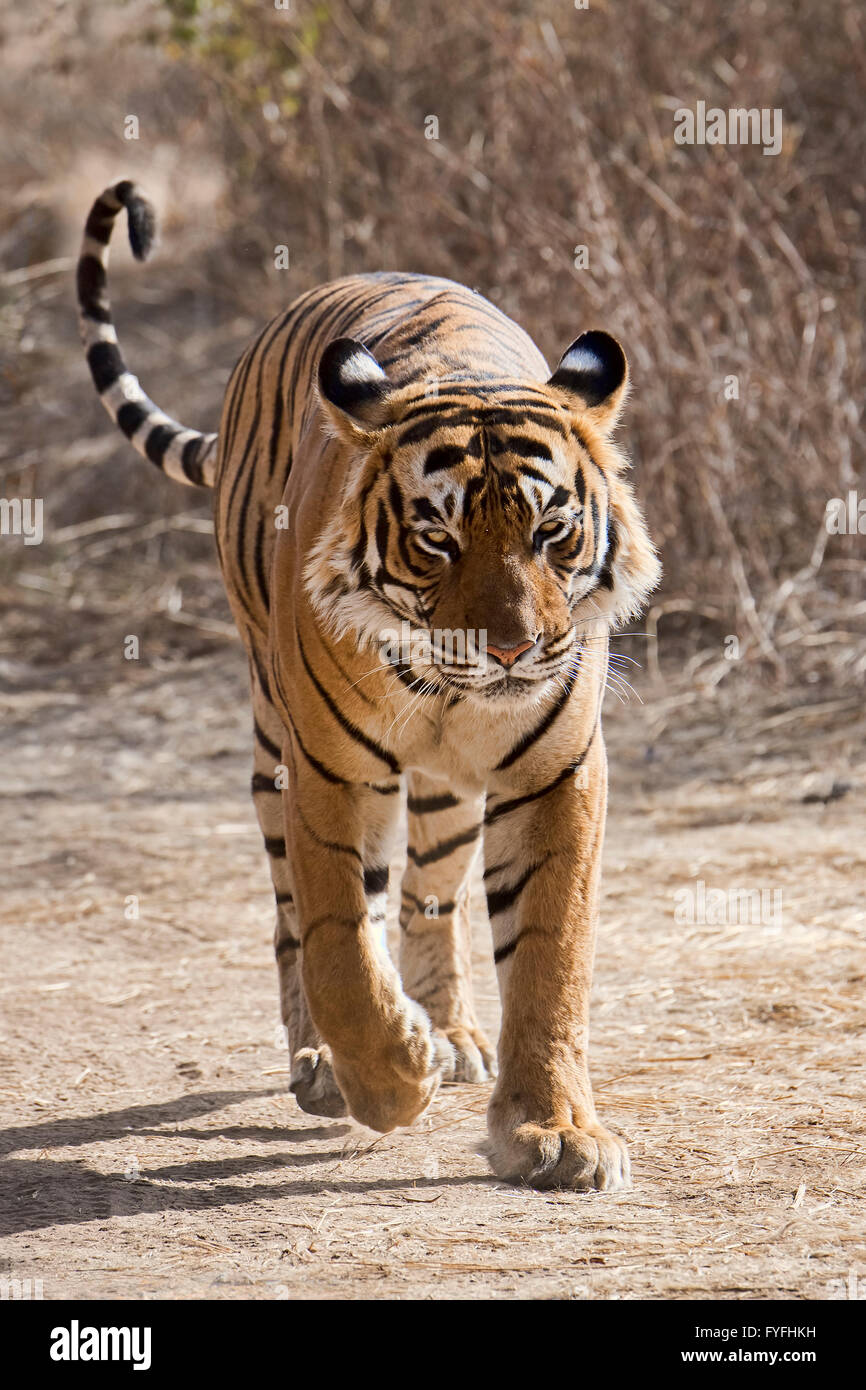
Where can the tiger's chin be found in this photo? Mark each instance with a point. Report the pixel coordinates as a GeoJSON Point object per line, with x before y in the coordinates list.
{"type": "Point", "coordinates": [509, 691]}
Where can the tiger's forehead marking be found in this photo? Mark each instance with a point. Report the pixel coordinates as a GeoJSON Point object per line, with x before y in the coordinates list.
{"type": "Point", "coordinates": [506, 471]}
{"type": "Point", "coordinates": [489, 447]}
{"type": "Point", "coordinates": [423, 419]}
{"type": "Point", "coordinates": [493, 444]}
{"type": "Point", "coordinates": [485, 462]}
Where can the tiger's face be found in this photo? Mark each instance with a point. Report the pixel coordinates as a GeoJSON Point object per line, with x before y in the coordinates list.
{"type": "Point", "coordinates": [495, 534]}
{"type": "Point", "coordinates": [488, 521]}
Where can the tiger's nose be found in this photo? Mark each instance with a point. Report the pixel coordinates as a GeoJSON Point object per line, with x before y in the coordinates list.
{"type": "Point", "coordinates": [506, 656]}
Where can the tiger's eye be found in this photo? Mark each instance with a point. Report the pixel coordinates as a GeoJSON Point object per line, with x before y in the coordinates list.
{"type": "Point", "coordinates": [436, 537]}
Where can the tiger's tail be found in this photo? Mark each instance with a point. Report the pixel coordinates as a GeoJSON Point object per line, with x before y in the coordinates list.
{"type": "Point", "coordinates": [186, 455]}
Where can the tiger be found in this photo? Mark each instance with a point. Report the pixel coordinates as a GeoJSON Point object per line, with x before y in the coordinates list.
{"type": "Point", "coordinates": [395, 461]}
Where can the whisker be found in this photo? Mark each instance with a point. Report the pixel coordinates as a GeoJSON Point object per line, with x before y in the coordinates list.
{"type": "Point", "coordinates": [380, 666]}
{"type": "Point", "coordinates": [621, 656]}
{"type": "Point", "coordinates": [620, 683]}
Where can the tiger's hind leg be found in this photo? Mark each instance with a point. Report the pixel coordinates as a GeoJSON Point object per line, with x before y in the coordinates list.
{"type": "Point", "coordinates": [311, 1077]}
{"type": "Point", "coordinates": [444, 842]}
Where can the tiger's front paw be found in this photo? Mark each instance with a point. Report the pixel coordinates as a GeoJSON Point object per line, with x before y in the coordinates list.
{"type": "Point", "coordinates": [393, 1086]}
{"type": "Point", "coordinates": [560, 1155]}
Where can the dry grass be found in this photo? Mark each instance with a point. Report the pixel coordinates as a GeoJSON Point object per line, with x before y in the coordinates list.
{"type": "Point", "coordinates": [307, 128]}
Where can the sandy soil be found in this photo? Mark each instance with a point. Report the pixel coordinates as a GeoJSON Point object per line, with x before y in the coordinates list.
{"type": "Point", "coordinates": [149, 1146]}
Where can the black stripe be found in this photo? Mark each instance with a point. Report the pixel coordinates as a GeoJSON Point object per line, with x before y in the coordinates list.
{"type": "Point", "coordinates": [501, 899]}
{"type": "Point", "coordinates": [395, 497]}
{"type": "Point", "coordinates": [106, 365]}
{"type": "Point", "coordinates": [505, 807]}
{"type": "Point", "coordinates": [277, 419]}
{"type": "Point", "coordinates": [140, 216]}
{"type": "Point", "coordinates": [376, 880]}
{"type": "Point", "coordinates": [575, 550]}
{"type": "Point", "coordinates": [192, 460]}
{"type": "Point", "coordinates": [256, 355]}
{"type": "Point", "coordinates": [419, 407]}
{"type": "Point", "coordinates": [359, 550]}
{"type": "Point", "coordinates": [382, 532]}
{"type": "Point", "coordinates": [605, 577]}
{"type": "Point", "coordinates": [541, 727]}
{"type": "Point", "coordinates": [448, 456]}
{"type": "Point", "coordinates": [256, 352]}
{"type": "Point", "coordinates": [415, 434]}
{"type": "Point", "coordinates": [587, 569]}
{"type": "Point", "coordinates": [345, 723]}
{"type": "Point", "coordinates": [531, 402]}
{"type": "Point", "coordinates": [442, 909]}
{"type": "Point", "coordinates": [413, 339]}
{"type": "Point", "coordinates": [559, 644]}
{"type": "Point", "coordinates": [100, 222]}
{"type": "Point", "coordinates": [335, 846]}
{"type": "Point", "coordinates": [261, 782]}
{"type": "Point", "coordinates": [503, 952]}
{"type": "Point", "coordinates": [241, 522]}
{"type": "Point", "coordinates": [259, 564]}
{"type": "Point", "coordinates": [235, 396]}
{"type": "Point", "coordinates": [472, 490]}
{"type": "Point", "coordinates": [527, 471]}
{"type": "Point", "coordinates": [288, 943]}
{"type": "Point", "coordinates": [158, 441]}
{"type": "Point", "coordinates": [317, 766]}
{"type": "Point", "coordinates": [261, 676]}
{"type": "Point", "coordinates": [275, 846]}
{"type": "Point", "coordinates": [527, 448]}
{"type": "Point", "coordinates": [423, 805]}
{"type": "Point", "coordinates": [332, 777]}
{"type": "Point", "coordinates": [495, 869]}
{"type": "Point", "coordinates": [593, 511]}
{"type": "Point", "coordinates": [537, 418]}
{"type": "Point", "coordinates": [266, 743]}
{"type": "Point", "coordinates": [425, 509]}
{"type": "Point", "coordinates": [352, 923]}
{"type": "Point", "coordinates": [444, 848]}
{"type": "Point", "coordinates": [92, 285]}
{"type": "Point", "coordinates": [131, 417]}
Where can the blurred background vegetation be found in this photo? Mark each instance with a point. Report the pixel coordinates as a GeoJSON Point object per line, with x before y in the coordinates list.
{"type": "Point", "coordinates": [306, 126]}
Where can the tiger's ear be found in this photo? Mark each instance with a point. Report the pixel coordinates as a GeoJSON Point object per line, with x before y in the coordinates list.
{"type": "Point", "coordinates": [594, 370]}
{"type": "Point", "coordinates": [353, 387]}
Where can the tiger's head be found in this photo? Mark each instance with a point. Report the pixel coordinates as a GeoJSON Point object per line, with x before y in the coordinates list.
{"type": "Point", "coordinates": [495, 510]}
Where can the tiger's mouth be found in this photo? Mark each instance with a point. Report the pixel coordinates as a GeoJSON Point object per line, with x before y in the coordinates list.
{"type": "Point", "coordinates": [525, 685]}
{"type": "Point", "coordinates": [465, 667]}
{"type": "Point", "coordinates": [509, 687]}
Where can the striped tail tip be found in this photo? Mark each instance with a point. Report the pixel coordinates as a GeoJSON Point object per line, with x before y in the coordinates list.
{"type": "Point", "coordinates": [186, 455]}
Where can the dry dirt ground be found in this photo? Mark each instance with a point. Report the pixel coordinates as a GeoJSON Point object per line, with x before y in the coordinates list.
{"type": "Point", "coordinates": [150, 1148]}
